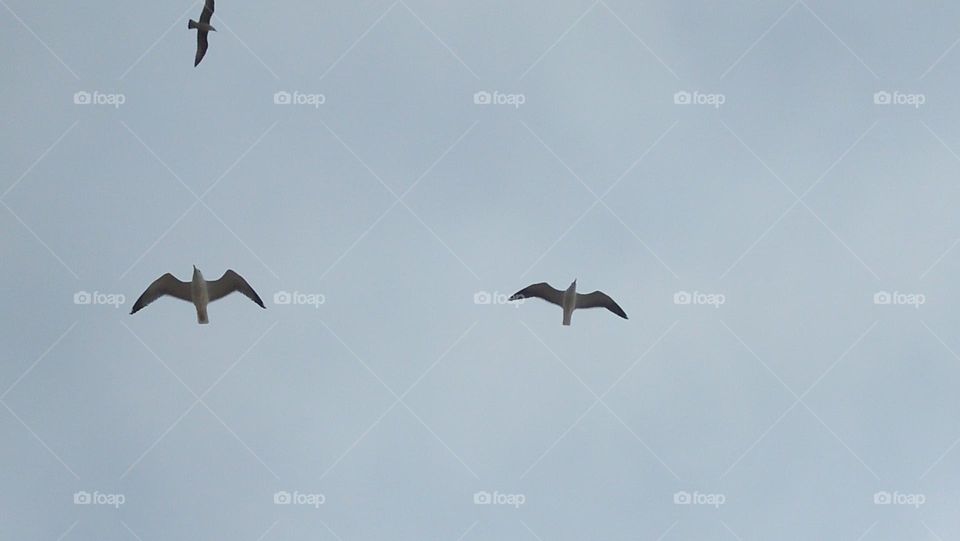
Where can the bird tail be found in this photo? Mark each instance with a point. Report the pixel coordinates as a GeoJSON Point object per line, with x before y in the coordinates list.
{"type": "Point", "coordinates": [192, 24]}
{"type": "Point", "coordinates": [566, 317]}
{"type": "Point", "coordinates": [202, 315]}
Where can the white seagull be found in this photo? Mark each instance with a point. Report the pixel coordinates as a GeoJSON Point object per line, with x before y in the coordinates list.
{"type": "Point", "coordinates": [198, 291]}
{"type": "Point", "coordinates": [569, 300]}
{"type": "Point", "coordinates": [203, 27]}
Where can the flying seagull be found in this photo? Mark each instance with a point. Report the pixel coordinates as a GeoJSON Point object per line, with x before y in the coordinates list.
{"type": "Point", "coordinates": [203, 27]}
{"type": "Point", "coordinates": [198, 291]}
{"type": "Point", "coordinates": [569, 300]}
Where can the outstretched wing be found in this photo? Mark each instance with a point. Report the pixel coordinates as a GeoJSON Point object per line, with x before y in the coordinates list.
{"type": "Point", "coordinates": [207, 12]}
{"type": "Point", "coordinates": [227, 284]}
{"type": "Point", "coordinates": [599, 299]}
{"type": "Point", "coordinates": [165, 285]}
{"type": "Point", "coordinates": [542, 290]}
{"type": "Point", "coordinates": [201, 46]}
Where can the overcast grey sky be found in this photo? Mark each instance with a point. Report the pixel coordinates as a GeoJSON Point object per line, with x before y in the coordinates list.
{"type": "Point", "coordinates": [769, 189]}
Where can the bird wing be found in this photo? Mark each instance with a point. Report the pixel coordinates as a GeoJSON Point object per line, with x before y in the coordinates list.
{"type": "Point", "coordinates": [165, 285]}
{"type": "Point", "coordinates": [542, 290]}
{"type": "Point", "coordinates": [227, 284]}
{"type": "Point", "coordinates": [207, 12]}
{"type": "Point", "coordinates": [599, 299]}
{"type": "Point", "coordinates": [201, 44]}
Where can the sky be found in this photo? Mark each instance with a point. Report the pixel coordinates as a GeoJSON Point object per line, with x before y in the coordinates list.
{"type": "Point", "coordinates": [768, 189]}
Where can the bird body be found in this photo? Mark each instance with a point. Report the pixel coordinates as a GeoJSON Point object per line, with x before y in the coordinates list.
{"type": "Point", "coordinates": [197, 291]}
{"type": "Point", "coordinates": [203, 27]}
{"type": "Point", "coordinates": [569, 303]}
{"type": "Point", "coordinates": [569, 300]}
{"type": "Point", "coordinates": [200, 295]}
